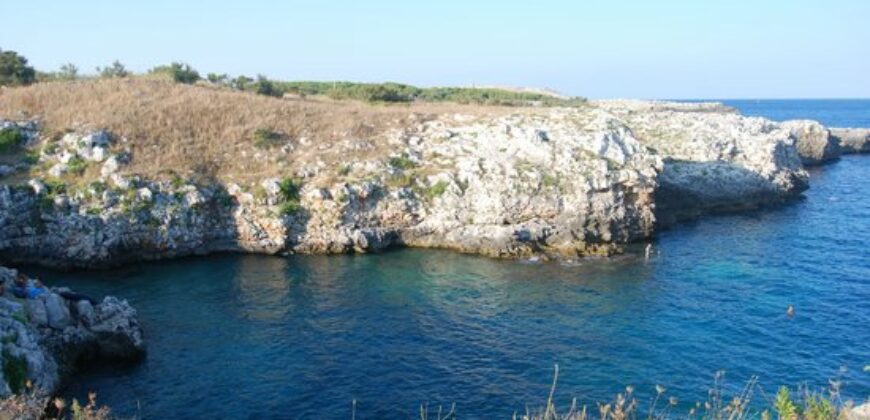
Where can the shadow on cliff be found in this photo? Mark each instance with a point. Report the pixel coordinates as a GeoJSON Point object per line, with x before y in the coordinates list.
{"type": "Point", "coordinates": [688, 190]}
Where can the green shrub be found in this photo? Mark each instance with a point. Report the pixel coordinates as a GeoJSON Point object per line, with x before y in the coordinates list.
{"type": "Point", "coordinates": [549, 180]}
{"type": "Point", "coordinates": [54, 187]}
{"type": "Point", "coordinates": [10, 139]}
{"type": "Point", "coordinates": [289, 189]}
{"type": "Point", "coordinates": [402, 162]}
{"type": "Point", "coordinates": [115, 70]}
{"type": "Point", "coordinates": [218, 79]}
{"type": "Point", "coordinates": [50, 148]}
{"type": "Point", "coordinates": [14, 70]}
{"type": "Point", "coordinates": [290, 208]}
{"type": "Point", "coordinates": [15, 372]}
{"type": "Point", "coordinates": [77, 165]}
{"type": "Point", "coordinates": [265, 138]}
{"type": "Point", "coordinates": [266, 87]}
{"type": "Point", "coordinates": [241, 82]}
{"type": "Point", "coordinates": [397, 92]}
{"type": "Point", "coordinates": [784, 406]}
{"type": "Point", "coordinates": [178, 72]}
{"type": "Point", "coordinates": [68, 71]}
{"type": "Point", "coordinates": [98, 186]}
{"type": "Point", "coordinates": [31, 157]}
{"type": "Point", "coordinates": [437, 190]}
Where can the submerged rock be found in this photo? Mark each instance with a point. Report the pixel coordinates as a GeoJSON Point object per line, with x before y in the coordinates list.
{"type": "Point", "coordinates": [815, 143]}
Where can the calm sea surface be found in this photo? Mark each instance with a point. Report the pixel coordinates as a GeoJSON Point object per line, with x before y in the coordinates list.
{"type": "Point", "coordinates": [255, 337]}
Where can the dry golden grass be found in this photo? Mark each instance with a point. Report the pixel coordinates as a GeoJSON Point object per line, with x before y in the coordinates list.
{"type": "Point", "coordinates": [205, 130]}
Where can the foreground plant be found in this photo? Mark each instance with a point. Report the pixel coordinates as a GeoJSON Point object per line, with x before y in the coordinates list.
{"type": "Point", "coordinates": [807, 406]}
{"type": "Point", "coordinates": [35, 405]}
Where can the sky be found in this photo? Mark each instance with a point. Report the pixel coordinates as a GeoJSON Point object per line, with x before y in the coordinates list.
{"type": "Point", "coordinates": [667, 49]}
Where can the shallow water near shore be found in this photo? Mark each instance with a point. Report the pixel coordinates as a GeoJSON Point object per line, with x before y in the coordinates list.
{"type": "Point", "coordinates": [233, 336]}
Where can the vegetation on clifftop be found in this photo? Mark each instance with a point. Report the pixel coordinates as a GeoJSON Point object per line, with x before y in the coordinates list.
{"type": "Point", "coordinates": [15, 72]}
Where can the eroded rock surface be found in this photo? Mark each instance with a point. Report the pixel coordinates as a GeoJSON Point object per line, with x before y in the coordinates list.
{"type": "Point", "coordinates": [43, 339]}
{"type": "Point", "coordinates": [815, 144]}
{"type": "Point", "coordinates": [715, 161]}
{"type": "Point", "coordinates": [551, 181]}
{"type": "Point", "coordinates": [853, 140]}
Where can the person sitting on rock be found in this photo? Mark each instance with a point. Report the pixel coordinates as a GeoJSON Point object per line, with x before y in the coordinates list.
{"type": "Point", "coordinates": [23, 290]}
{"type": "Point", "coordinates": [70, 296]}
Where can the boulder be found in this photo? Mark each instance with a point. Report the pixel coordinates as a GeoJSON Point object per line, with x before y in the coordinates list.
{"type": "Point", "coordinates": [116, 326]}
{"type": "Point", "coordinates": [853, 140]}
{"type": "Point", "coordinates": [57, 311]}
{"type": "Point", "coordinates": [85, 313]}
{"type": "Point", "coordinates": [814, 142]}
{"type": "Point", "coordinates": [36, 312]}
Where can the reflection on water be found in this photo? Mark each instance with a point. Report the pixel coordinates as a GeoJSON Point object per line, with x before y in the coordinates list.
{"type": "Point", "coordinates": [262, 288]}
{"type": "Point", "coordinates": [304, 336]}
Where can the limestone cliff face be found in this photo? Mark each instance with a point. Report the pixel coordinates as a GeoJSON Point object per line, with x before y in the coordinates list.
{"type": "Point", "coordinates": [815, 143]}
{"type": "Point", "coordinates": [852, 140]}
{"type": "Point", "coordinates": [555, 181]}
{"type": "Point", "coordinates": [715, 161]}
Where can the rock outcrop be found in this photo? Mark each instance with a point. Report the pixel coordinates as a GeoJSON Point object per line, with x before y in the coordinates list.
{"type": "Point", "coordinates": [715, 161]}
{"type": "Point", "coordinates": [815, 144]}
{"type": "Point", "coordinates": [852, 140]}
{"type": "Point", "coordinates": [43, 339]}
{"type": "Point", "coordinates": [554, 181]}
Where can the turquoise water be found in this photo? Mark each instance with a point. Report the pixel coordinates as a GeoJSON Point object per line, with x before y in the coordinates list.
{"type": "Point", "coordinates": [235, 336]}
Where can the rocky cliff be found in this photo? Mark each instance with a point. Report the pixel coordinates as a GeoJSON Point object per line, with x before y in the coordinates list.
{"type": "Point", "coordinates": [42, 340]}
{"type": "Point", "coordinates": [714, 161]}
{"type": "Point", "coordinates": [554, 182]}
{"type": "Point", "coordinates": [852, 140]}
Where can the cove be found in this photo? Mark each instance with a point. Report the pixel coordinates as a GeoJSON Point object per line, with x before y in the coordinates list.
{"type": "Point", "coordinates": [236, 336]}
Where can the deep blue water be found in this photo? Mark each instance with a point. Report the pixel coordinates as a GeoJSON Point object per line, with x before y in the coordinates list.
{"type": "Point", "coordinates": [234, 336]}
{"type": "Point", "coordinates": [830, 112]}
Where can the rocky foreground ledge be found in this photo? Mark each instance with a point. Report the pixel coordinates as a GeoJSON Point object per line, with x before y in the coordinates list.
{"type": "Point", "coordinates": [557, 182]}
{"type": "Point", "coordinates": [44, 339]}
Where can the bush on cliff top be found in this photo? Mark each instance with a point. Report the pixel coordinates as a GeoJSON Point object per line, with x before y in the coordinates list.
{"type": "Point", "coordinates": [14, 70]}
{"type": "Point", "coordinates": [265, 138]}
{"type": "Point", "coordinates": [10, 139]}
{"type": "Point", "coordinates": [115, 70]}
{"type": "Point", "coordinates": [178, 72]}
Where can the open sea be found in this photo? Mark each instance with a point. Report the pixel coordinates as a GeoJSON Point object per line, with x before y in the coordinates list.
{"type": "Point", "coordinates": [253, 337]}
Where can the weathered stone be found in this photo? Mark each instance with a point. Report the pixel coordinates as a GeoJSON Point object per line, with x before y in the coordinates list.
{"type": "Point", "coordinates": [853, 140]}
{"type": "Point", "coordinates": [50, 340]}
{"type": "Point", "coordinates": [814, 142]}
{"type": "Point", "coordinates": [36, 312]}
{"type": "Point", "coordinates": [558, 181]}
{"type": "Point", "coordinates": [57, 311]}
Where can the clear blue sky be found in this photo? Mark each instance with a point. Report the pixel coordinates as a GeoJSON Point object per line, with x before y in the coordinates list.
{"type": "Point", "coordinates": [599, 49]}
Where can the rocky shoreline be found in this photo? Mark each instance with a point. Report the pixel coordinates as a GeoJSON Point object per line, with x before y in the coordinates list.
{"type": "Point", "coordinates": [43, 339]}
{"type": "Point", "coordinates": [562, 182]}
{"type": "Point", "coordinates": [554, 183]}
